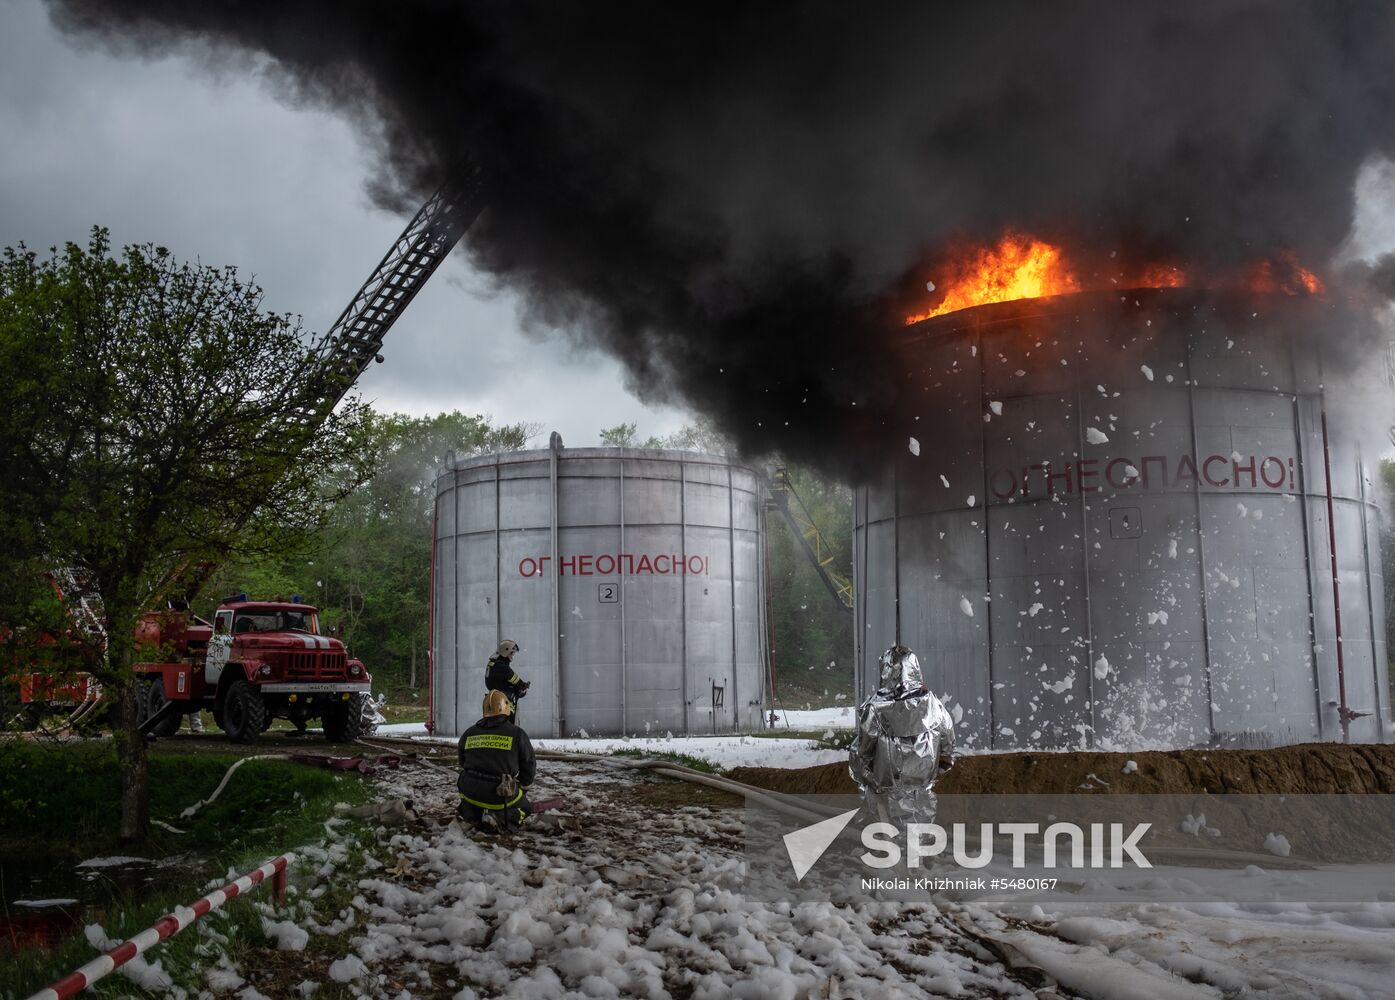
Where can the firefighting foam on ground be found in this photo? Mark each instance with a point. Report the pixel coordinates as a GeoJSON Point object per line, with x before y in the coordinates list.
{"type": "Point", "coordinates": [1043, 379]}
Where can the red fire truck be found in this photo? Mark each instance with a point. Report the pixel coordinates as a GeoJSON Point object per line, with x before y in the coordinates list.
{"type": "Point", "coordinates": [63, 684]}
{"type": "Point", "coordinates": [255, 662]}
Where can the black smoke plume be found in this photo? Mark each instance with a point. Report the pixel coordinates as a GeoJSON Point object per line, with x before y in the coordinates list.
{"type": "Point", "coordinates": [733, 198]}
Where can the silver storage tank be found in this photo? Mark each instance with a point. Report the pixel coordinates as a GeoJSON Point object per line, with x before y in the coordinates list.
{"type": "Point", "coordinates": [1119, 529]}
{"type": "Point", "coordinates": [633, 580]}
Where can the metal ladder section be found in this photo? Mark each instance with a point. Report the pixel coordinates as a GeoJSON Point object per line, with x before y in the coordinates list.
{"type": "Point", "coordinates": [352, 343]}
{"type": "Point", "coordinates": [787, 501]}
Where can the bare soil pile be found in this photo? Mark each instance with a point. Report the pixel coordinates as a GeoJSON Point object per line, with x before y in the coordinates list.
{"type": "Point", "coordinates": [1307, 769]}
{"type": "Point", "coordinates": [1207, 807]}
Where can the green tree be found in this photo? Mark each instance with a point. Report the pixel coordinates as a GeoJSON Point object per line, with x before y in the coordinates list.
{"type": "Point", "coordinates": [812, 636]}
{"type": "Point", "coordinates": [701, 436]}
{"type": "Point", "coordinates": [619, 436]}
{"type": "Point", "coordinates": [146, 430]}
{"type": "Point", "coordinates": [369, 567]}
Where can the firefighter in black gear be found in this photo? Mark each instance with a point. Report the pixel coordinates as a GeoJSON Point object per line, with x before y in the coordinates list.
{"type": "Point", "coordinates": [496, 767]}
{"type": "Point", "coordinates": [500, 676]}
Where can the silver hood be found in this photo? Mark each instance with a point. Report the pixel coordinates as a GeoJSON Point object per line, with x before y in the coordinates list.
{"type": "Point", "coordinates": [905, 735]}
{"type": "Point", "coordinates": [900, 673]}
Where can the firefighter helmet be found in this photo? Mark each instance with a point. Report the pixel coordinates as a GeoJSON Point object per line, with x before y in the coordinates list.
{"type": "Point", "coordinates": [497, 703]}
{"type": "Point", "coordinates": [507, 648]}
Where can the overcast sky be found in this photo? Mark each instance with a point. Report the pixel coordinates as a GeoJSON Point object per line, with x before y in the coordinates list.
{"type": "Point", "coordinates": [211, 165]}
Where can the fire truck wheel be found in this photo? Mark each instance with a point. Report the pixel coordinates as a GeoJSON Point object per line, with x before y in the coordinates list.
{"type": "Point", "coordinates": [155, 700]}
{"type": "Point", "coordinates": [244, 713]}
{"type": "Point", "coordinates": [344, 721]}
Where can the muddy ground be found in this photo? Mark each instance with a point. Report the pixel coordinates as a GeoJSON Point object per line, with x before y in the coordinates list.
{"type": "Point", "coordinates": [1241, 796]}
{"type": "Point", "coordinates": [1307, 769]}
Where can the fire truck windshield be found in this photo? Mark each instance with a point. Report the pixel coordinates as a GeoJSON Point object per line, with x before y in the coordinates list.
{"type": "Point", "coordinates": [270, 620]}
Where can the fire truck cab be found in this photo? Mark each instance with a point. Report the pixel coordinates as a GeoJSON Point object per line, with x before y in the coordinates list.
{"type": "Point", "coordinates": [255, 662]}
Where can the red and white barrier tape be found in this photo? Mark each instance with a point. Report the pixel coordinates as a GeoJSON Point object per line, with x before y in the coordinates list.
{"type": "Point", "coordinates": [167, 926]}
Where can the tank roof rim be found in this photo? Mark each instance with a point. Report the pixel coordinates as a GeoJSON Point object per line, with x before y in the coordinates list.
{"type": "Point", "coordinates": [528, 455]}
{"type": "Point", "coordinates": [996, 314]}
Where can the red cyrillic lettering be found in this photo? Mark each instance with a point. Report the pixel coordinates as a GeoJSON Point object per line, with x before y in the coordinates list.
{"type": "Point", "coordinates": [1027, 473]}
{"type": "Point", "coordinates": [1087, 467]}
{"type": "Point", "coordinates": [1279, 463]}
{"type": "Point", "coordinates": [1206, 471]}
{"type": "Point", "coordinates": [1250, 468]}
{"type": "Point", "coordinates": [583, 565]}
{"type": "Point", "coordinates": [528, 566]}
{"type": "Point", "coordinates": [704, 564]}
{"type": "Point", "coordinates": [568, 565]}
{"type": "Point", "coordinates": [644, 565]}
{"type": "Point", "coordinates": [1130, 474]}
{"type": "Point", "coordinates": [1051, 478]}
{"type": "Point", "coordinates": [994, 479]}
{"type": "Point", "coordinates": [609, 566]}
{"type": "Point", "coordinates": [1143, 476]}
{"type": "Point", "coordinates": [663, 564]}
{"type": "Point", "coordinates": [1186, 470]}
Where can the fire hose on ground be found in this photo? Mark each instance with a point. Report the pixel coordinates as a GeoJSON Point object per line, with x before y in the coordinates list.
{"type": "Point", "coordinates": [166, 927]}
{"type": "Point", "coordinates": [789, 805]}
{"type": "Point", "coordinates": [92, 700]}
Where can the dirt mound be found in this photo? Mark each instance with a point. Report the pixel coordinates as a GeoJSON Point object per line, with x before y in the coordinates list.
{"type": "Point", "coordinates": [1307, 769]}
{"type": "Point", "coordinates": [1209, 785]}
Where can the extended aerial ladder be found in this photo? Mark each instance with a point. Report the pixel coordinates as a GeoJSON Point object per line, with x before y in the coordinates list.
{"type": "Point", "coordinates": [788, 502]}
{"type": "Point", "coordinates": [354, 340]}
{"type": "Point", "coordinates": [352, 343]}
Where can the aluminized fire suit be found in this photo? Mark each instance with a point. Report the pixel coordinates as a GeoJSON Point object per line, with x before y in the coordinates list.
{"type": "Point", "coordinates": [905, 739]}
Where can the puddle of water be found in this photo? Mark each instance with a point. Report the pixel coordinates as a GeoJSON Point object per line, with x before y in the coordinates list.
{"type": "Point", "coordinates": [44, 901]}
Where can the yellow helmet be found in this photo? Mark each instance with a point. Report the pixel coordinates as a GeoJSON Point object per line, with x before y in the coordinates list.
{"type": "Point", "coordinates": [497, 703]}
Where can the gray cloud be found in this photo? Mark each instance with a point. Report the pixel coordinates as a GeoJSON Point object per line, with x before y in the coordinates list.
{"type": "Point", "coordinates": [739, 200]}
{"type": "Point", "coordinates": [210, 161]}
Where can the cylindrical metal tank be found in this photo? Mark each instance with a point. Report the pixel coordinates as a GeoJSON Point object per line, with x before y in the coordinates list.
{"type": "Point", "coordinates": [1116, 526]}
{"type": "Point", "coordinates": [633, 580]}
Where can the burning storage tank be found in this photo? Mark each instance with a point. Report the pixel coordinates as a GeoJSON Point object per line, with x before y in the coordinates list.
{"type": "Point", "coordinates": [633, 580]}
{"type": "Point", "coordinates": [1132, 519]}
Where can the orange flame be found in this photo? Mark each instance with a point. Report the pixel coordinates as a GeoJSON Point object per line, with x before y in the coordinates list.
{"type": "Point", "coordinates": [1161, 276]}
{"type": "Point", "coordinates": [1019, 267]}
{"type": "Point", "coordinates": [1024, 267]}
{"type": "Point", "coordinates": [1284, 274]}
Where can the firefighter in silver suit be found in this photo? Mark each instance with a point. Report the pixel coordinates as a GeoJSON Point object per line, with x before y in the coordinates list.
{"type": "Point", "coordinates": [905, 740]}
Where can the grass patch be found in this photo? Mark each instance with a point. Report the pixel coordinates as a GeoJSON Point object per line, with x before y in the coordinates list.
{"type": "Point", "coordinates": [58, 803]}
{"type": "Point", "coordinates": [235, 931]}
{"type": "Point", "coordinates": [404, 713]}
{"type": "Point", "coordinates": [696, 763]}
{"type": "Point", "coordinates": [64, 800]}
{"type": "Point", "coordinates": [827, 738]}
